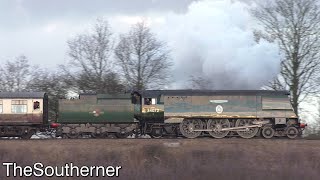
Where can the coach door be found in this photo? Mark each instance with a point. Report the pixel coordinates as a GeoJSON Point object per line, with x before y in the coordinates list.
{"type": "Point", "coordinates": [37, 111]}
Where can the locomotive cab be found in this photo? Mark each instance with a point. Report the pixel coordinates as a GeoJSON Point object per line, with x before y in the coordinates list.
{"type": "Point", "coordinates": [148, 106]}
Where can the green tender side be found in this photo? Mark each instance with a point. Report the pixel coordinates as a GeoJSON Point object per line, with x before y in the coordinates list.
{"type": "Point", "coordinates": [102, 108]}
{"type": "Point", "coordinates": [86, 117]}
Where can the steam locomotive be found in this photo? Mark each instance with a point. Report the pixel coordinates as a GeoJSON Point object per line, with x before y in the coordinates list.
{"type": "Point", "coordinates": [157, 113]}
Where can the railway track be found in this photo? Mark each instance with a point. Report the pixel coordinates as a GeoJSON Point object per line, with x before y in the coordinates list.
{"type": "Point", "coordinates": [201, 158]}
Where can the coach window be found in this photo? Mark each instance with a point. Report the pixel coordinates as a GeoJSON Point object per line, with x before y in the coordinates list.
{"type": "Point", "coordinates": [36, 105]}
{"type": "Point", "coordinates": [1, 108]}
{"type": "Point", "coordinates": [19, 106]}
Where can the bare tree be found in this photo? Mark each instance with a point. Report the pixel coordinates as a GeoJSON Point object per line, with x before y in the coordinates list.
{"type": "Point", "coordinates": [200, 82]}
{"type": "Point", "coordinates": [14, 75]}
{"type": "Point", "coordinates": [295, 26]}
{"type": "Point", "coordinates": [143, 59]}
{"type": "Point", "coordinates": [49, 82]}
{"type": "Point", "coordinates": [277, 83]}
{"type": "Point", "coordinates": [90, 68]}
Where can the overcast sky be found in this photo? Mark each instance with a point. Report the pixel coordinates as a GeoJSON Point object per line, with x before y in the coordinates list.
{"type": "Point", "coordinates": [211, 38]}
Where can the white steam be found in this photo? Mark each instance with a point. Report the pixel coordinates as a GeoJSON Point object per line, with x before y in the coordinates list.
{"type": "Point", "coordinates": [214, 40]}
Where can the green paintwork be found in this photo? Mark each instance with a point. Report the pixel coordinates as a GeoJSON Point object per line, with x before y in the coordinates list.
{"type": "Point", "coordinates": [105, 109]}
{"type": "Point", "coordinates": [86, 117]}
{"type": "Point", "coordinates": [153, 112]}
{"type": "Point", "coordinates": [273, 102]}
{"type": "Point", "coordinates": [233, 106]}
{"type": "Point", "coordinates": [154, 116]}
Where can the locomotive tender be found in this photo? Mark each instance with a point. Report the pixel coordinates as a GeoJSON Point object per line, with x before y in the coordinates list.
{"type": "Point", "coordinates": [187, 113]}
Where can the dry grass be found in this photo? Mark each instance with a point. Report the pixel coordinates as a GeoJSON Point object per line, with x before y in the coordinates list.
{"type": "Point", "coordinates": [176, 159]}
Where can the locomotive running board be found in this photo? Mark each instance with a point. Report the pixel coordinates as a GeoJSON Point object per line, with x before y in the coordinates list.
{"type": "Point", "coordinates": [230, 129]}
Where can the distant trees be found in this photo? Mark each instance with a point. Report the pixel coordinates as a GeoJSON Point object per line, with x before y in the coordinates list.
{"type": "Point", "coordinates": [295, 26]}
{"type": "Point", "coordinates": [143, 60]}
{"type": "Point", "coordinates": [200, 82]}
{"type": "Point", "coordinates": [15, 74]}
{"type": "Point", "coordinates": [44, 80]}
{"type": "Point", "coordinates": [19, 75]}
{"type": "Point", "coordinates": [138, 61]}
{"type": "Point", "coordinates": [90, 68]}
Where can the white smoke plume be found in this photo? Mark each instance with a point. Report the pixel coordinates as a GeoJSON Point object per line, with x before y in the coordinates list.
{"type": "Point", "coordinates": [214, 39]}
{"type": "Point", "coordinates": [211, 38]}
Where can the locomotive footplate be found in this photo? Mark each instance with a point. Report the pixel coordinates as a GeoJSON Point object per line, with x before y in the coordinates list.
{"type": "Point", "coordinates": [231, 129]}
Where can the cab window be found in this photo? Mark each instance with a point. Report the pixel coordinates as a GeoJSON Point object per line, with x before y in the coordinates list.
{"type": "Point", "coordinates": [153, 101]}
{"type": "Point", "coordinates": [147, 101]}
{"type": "Point", "coordinates": [150, 101]}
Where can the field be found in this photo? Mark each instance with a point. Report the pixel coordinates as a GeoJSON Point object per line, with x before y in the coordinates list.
{"type": "Point", "coordinates": [175, 158]}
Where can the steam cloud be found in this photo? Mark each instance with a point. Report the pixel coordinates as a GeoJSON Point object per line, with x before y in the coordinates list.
{"type": "Point", "coordinates": [211, 38]}
{"type": "Point", "coordinates": [214, 40]}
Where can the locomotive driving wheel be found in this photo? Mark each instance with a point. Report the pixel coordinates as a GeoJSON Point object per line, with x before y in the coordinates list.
{"type": "Point", "coordinates": [246, 132]}
{"type": "Point", "coordinates": [216, 125]}
{"type": "Point", "coordinates": [188, 127]}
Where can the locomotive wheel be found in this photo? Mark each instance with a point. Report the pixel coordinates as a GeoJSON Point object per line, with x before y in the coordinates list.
{"type": "Point", "coordinates": [98, 135]}
{"type": "Point", "coordinates": [187, 127]}
{"type": "Point", "coordinates": [156, 133]}
{"type": "Point", "coordinates": [122, 135]}
{"type": "Point", "coordinates": [73, 134]}
{"type": "Point", "coordinates": [292, 132]}
{"type": "Point", "coordinates": [268, 132]}
{"type": "Point", "coordinates": [111, 136]}
{"type": "Point", "coordinates": [216, 125]}
{"type": "Point", "coordinates": [64, 136]}
{"type": "Point", "coordinates": [29, 134]}
{"type": "Point", "coordinates": [247, 132]}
